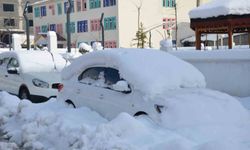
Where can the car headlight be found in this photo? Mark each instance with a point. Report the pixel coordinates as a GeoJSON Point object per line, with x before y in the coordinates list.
{"type": "Point", "coordinates": [159, 108]}
{"type": "Point", "coordinates": [40, 83]}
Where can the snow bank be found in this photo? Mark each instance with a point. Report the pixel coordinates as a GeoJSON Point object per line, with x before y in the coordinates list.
{"type": "Point", "coordinates": [221, 8]}
{"type": "Point", "coordinates": [149, 71]}
{"type": "Point", "coordinates": [192, 123]}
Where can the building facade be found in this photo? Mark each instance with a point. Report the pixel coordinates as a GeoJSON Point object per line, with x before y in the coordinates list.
{"type": "Point", "coordinates": [121, 20]}
{"type": "Point", "coordinates": [12, 20]}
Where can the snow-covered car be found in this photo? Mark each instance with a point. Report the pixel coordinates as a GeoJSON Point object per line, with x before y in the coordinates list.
{"type": "Point", "coordinates": [126, 80]}
{"type": "Point", "coordinates": [33, 75]}
{"type": "Point", "coordinates": [139, 82]}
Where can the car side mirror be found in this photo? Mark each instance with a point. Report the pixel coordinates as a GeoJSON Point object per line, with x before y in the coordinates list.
{"type": "Point", "coordinates": [13, 70]}
{"type": "Point", "coordinates": [122, 86]}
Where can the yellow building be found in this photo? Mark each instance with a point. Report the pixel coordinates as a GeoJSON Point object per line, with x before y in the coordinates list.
{"type": "Point", "coordinates": [121, 20]}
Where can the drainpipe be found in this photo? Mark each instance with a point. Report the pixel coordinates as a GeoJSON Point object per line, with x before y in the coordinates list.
{"type": "Point", "coordinates": [101, 23]}
{"type": "Point", "coordinates": [68, 25]}
{"type": "Point", "coordinates": [27, 24]}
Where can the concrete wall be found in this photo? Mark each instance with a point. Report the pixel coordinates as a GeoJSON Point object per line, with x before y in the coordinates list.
{"type": "Point", "coordinates": [226, 71]}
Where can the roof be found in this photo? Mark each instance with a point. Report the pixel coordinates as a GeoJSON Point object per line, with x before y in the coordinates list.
{"type": "Point", "coordinates": [221, 8]}
{"type": "Point", "coordinates": [36, 61]}
{"type": "Point", "coordinates": [148, 70]}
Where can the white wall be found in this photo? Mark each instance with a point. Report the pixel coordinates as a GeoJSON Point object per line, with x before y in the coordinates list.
{"type": "Point", "coordinates": [227, 71]}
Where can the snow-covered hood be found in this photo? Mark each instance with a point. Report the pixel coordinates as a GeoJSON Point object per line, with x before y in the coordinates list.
{"type": "Point", "coordinates": [200, 107]}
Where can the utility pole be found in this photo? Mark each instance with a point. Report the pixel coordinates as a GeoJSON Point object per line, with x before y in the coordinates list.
{"type": "Point", "coordinates": [27, 24]}
{"type": "Point", "coordinates": [101, 23]}
{"type": "Point", "coordinates": [176, 26]}
{"type": "Point", "coordinates": [198, 3]}
{"type": "Point", "coordinates": [68, 25]}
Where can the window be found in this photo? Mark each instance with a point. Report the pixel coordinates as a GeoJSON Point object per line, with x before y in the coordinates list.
{"type": "Point", "coordinates": [169, 23]}
{"type": "Point", "coordinates": [31, 24]}
{"type": "Point", "coordinates": [100, 76]}
{"type": "Point", "coordinates": [44, 28]}
{"type": "Point", "coordinates": [30, 9]}
{"type": "Point", "coordinates": [59, 8]}
{"type": "Point", "coordinates": [72, 27]}
{"type": "Point", "coordinates": [168, 3]}
{"type": "Point", "coordinates": [84, 5]}
{"type": "Point", "coordinates": [107, 3]}
{"type": "Point", "coordinates": [13, 63]}
{"type": "Point", "coordinates": [95, 25]}
{"type": "Point", "coordinates": [37, 12]}
{"type": "Point", "coordinates": [37, 29]}
{"type": "Point", "coordinates": [9, 22]}
{"type": "Point", "coordinates": [110, 23]}
{"type": "Point", "coordinates": [110, 44]}
{"type": "Point", "coordinates": [8, 7]}
{"type": "Point", "coordinates": [4, 61]}
{"type": "Point", "coordinates": [52, 8]}
{"type": "Point", "coordinates": [59, 29]}
{"type": "Point", "coordinates": [78, 5]}
{"type": "Point", "coordinates": [94, 4]}
{"type": "Point", "coordinates": [52, 27]}
{"type": "Point", "coordinates": [43, 11]}
{"type": "Point", "coordinates": [82, 26]}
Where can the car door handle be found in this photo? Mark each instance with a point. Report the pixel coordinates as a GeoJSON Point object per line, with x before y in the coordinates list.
{"type": "Point", "coordinates": [6, 75]}
{"type": "Point", "coordinates": [101, 96]}
{"type": "Point", "coordinates": [78, 91]}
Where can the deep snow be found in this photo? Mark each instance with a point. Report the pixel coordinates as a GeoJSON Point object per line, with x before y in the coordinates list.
{"type": "Point", "coordinates": [52, 125]}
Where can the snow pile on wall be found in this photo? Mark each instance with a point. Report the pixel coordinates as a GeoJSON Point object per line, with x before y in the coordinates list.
{"type": "Point", "coordinates": [52, 125]}
{"type": "Point", "coordinates": [225, 70]}
{"type": "Point", "coordinates": [221, 8]}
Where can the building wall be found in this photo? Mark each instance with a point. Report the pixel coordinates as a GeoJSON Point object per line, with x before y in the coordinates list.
{"type": "Point", "coordinates": [17, 15]}
{"type": "Point", "coordinates": [126, 12]}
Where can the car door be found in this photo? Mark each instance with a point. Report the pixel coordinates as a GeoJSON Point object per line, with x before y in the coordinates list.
{"type": "Point", "coordinates": [13, 79]}
{"type": "Point", "coordinates": [87, 90]}
{"type": "Point", "coordinates": [115, 101]}
{"type": "Point", "coordinates": [97, 93]}
{"type": "Point", "coordinates": [3, 71]}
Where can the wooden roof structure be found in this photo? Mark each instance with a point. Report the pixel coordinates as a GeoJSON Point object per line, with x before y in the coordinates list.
{"type": "Point", "coordinates": [228, 24]}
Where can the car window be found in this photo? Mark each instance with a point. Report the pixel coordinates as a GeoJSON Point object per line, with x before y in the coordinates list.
{"type": "Point", "coordinates": [100, 76]}
{"type": "Point", "coordinates": [4, 61]}
{"type": "Point", "coordinates": [13, 63]}
{"type": "Point", "coordinates": [111, 76]}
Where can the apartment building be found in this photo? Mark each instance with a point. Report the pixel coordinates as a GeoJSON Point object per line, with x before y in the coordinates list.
{"type": "Point", "coordinates": [12, 20]}
{"type": "Point", "coordinates": [121, 20]}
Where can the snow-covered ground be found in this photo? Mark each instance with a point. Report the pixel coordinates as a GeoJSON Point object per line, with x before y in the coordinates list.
{"type": "Point", "coordinates": [52, 125]}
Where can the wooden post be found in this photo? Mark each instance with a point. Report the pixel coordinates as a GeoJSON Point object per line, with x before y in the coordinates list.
{"type": "Point", "coordinates": [198, 39]}
{"type": "Point", "coordinates": [230, 37]}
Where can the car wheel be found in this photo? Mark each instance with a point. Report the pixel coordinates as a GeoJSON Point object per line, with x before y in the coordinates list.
{"type": "Point", "coordinates": [140, 113]}
{"type": "Point", "coordinates": [70, 104]}
{"type": "Point", "coordinates": [24, 93]}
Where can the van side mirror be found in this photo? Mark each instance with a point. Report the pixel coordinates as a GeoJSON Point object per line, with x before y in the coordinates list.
{"type": "Point", "coordinates": [122, 86]}
{"type": "Point", "coordinates": [13, 70]}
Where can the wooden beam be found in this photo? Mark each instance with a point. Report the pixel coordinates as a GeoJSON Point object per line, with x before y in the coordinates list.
{"type": "Point", "coordinates": [230, 37]}
{"type": "Point", "coordinates": [198, 39]}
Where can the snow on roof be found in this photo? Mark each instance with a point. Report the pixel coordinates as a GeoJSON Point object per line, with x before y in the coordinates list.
{"type": "Point", "coordinates": [37, 61]}
{"type": "Point", "coordinates": [221, 8]}
{"type": "Point", "coordinates": [147, 70]}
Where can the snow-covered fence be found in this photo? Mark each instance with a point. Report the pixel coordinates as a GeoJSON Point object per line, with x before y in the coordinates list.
{"type": "Point", "coordinates": [225, 70]}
